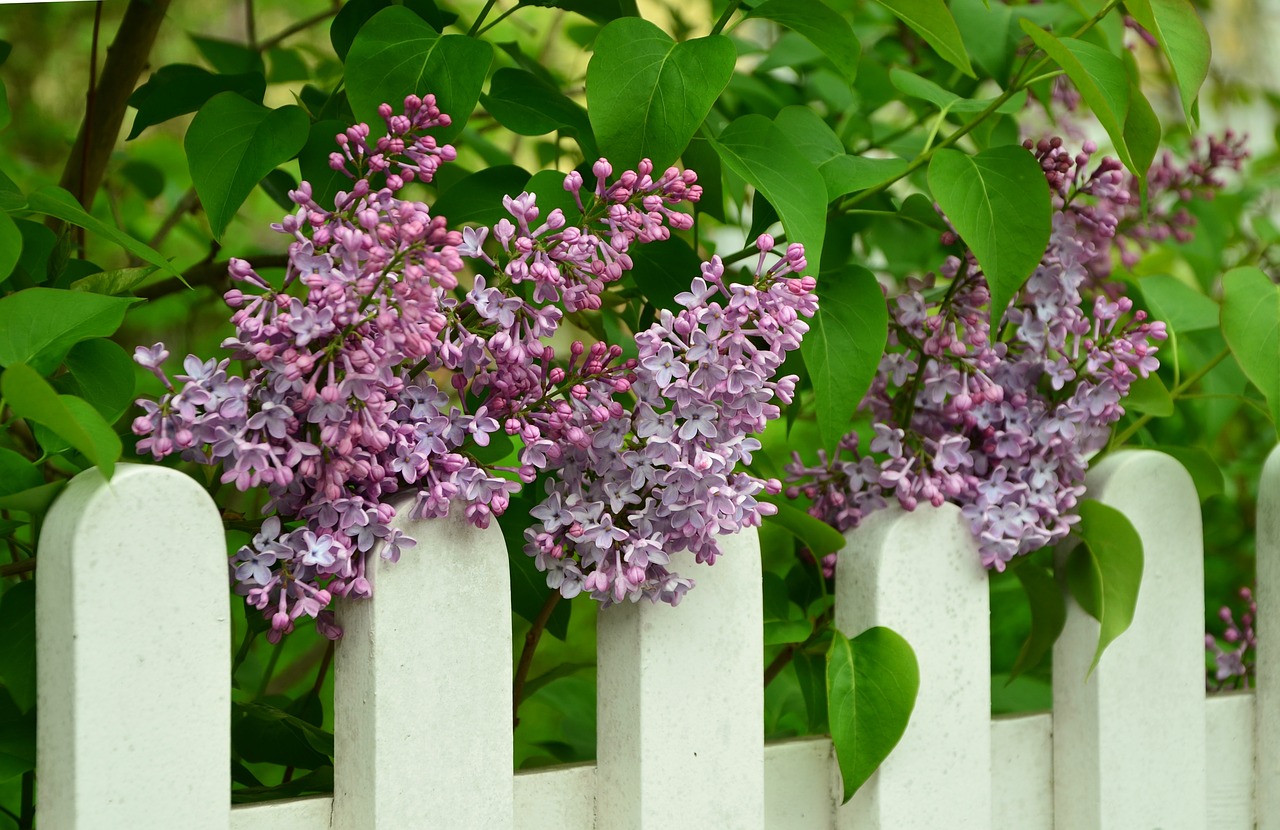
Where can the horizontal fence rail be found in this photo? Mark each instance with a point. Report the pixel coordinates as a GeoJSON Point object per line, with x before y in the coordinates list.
{"type": "Point", "coordinates": [134, 678]}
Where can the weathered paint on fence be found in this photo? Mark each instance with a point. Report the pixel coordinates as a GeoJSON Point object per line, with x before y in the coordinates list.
{"type": "Point", "coordinates": [425, 735]}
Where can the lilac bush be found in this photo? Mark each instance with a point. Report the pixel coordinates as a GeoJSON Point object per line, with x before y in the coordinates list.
{"type": "Point", "coordinates": [373, 372]}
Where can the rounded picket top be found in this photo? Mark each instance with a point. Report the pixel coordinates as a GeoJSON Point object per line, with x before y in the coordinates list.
{"type": "Point", "coordinates": [134, 642]}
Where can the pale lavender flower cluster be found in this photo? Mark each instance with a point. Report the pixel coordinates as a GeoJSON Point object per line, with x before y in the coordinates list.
{"type": "Point", "coordinates": [1235, 667]}
{"type": "Point", "coordinates": [341, 407]}
{"type": "Point", "coordinates": [1000, 422]}
{"type": "Point", "coordinates": [644, 483]}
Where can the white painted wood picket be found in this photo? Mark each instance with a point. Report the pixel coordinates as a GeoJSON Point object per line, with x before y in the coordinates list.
{"type": "Point", "coordinates": [134, 653]}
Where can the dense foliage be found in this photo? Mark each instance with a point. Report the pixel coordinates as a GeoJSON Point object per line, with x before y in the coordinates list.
{"type": "Point", "coordinates": [623, 277]}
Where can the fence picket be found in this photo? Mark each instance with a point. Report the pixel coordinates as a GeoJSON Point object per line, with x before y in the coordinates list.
{"type": "Point", "coordinates": [1129, 741]}
{"type": "Point", "coordinates": [681, 705]}
{"type": "Point", "coordinates": [919, 574]}
{"type": "Point", "coordinates": [422, 686]}
{"type": "Point", "coordinates": [1267, 785]}
{"type": "Point", "coordinates": [133, 733]}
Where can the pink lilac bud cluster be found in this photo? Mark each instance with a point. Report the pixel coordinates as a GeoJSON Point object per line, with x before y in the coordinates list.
{"type": "Point", "coordinates": [999, 421]}
{"type": "Point", "coordinates": [1235, 665]}
{"type": "Point", "coordinates": [661, 477]}
{"type": "Point", "coordinates": [341, 407]}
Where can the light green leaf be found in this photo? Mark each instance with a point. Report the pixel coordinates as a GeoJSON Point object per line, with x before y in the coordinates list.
{"type": "Point", "coordinates": [647, 94]}
{"type": "Point", "coordinates": [1048, 615]}
{"type": "Point", "coordinates": [1181, 307]}
{"type": "Point", "coordinates": [763, 155]}
{"type": "Point", "coordinates": [528, 105]}
{"type": "Point", "coordinates": [872, 682]}
{"type": "Point", "coordinates": [849, 174]}
{"type": "Point", "coordinates": [843, 346]}
{"type": "Point", "coordinates": [911, 84]}
{"type": "Point", "coordinates": [397, 53]}
{"type": "Point", "coordinates": [1151, 396]}
{"type": "Point", "coordinates": [17, 473]}
{"type": "Point", "coordinates": [10, 245]}
{"type": "Point", "coordinates": [1178, 29]}
{"type": "Point", "coordinates": [232, 144]}
{"type": "Point", "coordinates": [113, 283]}
{"type": "Point", "coordinates": [1105, 572]}
{"type": "Point", "coordinates": [783, 632]}
{"type": "Point", "coordinates": [818, 536]}
{"type": "Point", "coordinates": [39, 325]}
{"type": "Point", "coordinates": [999, 203]}
{"type": "Point", "coordinates": [933, 21]}
{"type": "Point", "coordinates": [821, 25]}
{"type": "Point", "coordinates": [71, 418]}
{"type": "Point", "coordinates": [103, 375]}
{"type": "Point", "coordinates": [1251, 326]}
{"type": "Point", "coordinates": [34, 499]}
{"type": "Point", "coordinates": [58, 203]}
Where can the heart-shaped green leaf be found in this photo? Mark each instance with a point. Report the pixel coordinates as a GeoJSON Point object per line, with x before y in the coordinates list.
{"type": "Point", "coordinates": [1105, 572]}
{"type": "Point", "coordinates": [528, 105]}
{"type": "Point", "coordinates": [821, 25]}
{"type": "Point", "coordinates": [39, 325]}
{"type": "Point", "coordinates": [232, 144]}
{"type": "Point", "coordinates": [872, 681]}
{"type": "Point", "coordinates": [1251, 326]}
{"type": "Point", "coordinates": [647, 94]}
{"type": "Point", "coordinates": [999, 203]}
{"type": "Point", "coordinates": [180, 88]}
{"type": "Point", "coordinates": [397, 54]}
{"type": "Point", "coordinates": [71, 418]}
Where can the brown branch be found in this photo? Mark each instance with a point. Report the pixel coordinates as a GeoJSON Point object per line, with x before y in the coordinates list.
{"type": "Point", "coordinates": [526, 654]}
{"type": "Point", "coordinates": [127, 57]}
{"type": "Point", "coordinates": [25, 566]}
{"type": "Point", "coordinates": [208, 272]}
{"type": "Point", "coordinates": [780, 662]}
{"type": "Point", "coordinates": [300, 26]}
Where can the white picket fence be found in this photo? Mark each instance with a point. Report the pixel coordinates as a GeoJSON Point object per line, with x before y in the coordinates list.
{"type": "Point", "coordinates": [134, 693]}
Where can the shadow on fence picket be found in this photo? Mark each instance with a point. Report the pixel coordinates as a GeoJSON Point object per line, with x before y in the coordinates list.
{"type": "Point", "coordinates": [134, 695]}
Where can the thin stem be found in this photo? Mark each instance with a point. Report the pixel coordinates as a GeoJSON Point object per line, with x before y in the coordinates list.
{"type": "Point", "coordinates": [268, 671]}
{"type": "Point", "coordinates": [526, 654]}
{"type": "Point", "coordinates": [475, 27]}
{"type": "Point", "coordinates": [250, 25]}
{"type": "Point", "coordinates": [189, 201]}
{"type": "Point", "coordinates": [10, 813]}
{"type": "Point", "coordinates": [498, 20]}
{"type": "Point", "coordinates": [1177, 392]}
{"type": "Point", "coordinates": [23, 567]}
{"type": "Point", "coordinates": [300, 26]}
{"type": "Point", "coordinates": [724, 18]}
{"type": "Point", "coordinates": [780, 662]}
{"type": "Point", "coordinates": [243, 651]}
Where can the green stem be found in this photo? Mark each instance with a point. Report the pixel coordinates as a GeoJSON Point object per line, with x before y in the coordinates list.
{"type": "Point", "coordinates": [270, 670]}
{"type": "Point", "coordinates": [475, 27]}
{"type": "Point", "coordinates": [497, 20]}
{"type": "Point", "coordinates": [243, 651]}
{"type": "Point", "coordinates": [526, 654]}
{"type": "Point", "coordinates": [724, 18]}
{"type": "Point", "coordinates": [1177, 392]}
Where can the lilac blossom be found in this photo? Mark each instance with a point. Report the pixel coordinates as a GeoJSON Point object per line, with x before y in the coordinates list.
{"type": "Point", "coordinates": [1235, 664]}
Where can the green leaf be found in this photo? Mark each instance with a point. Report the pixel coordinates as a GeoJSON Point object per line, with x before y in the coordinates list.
{"type": "Point", "coordinates": [763, 155]}
{"type": "Point", "coordinates": [999, 203]}
{"type": "Point", "coordinates": [229, 57]}
{"type": "Point", "coordinates": [17, 473]}
{"type": "Point", "coordinates": [232, 144]}
{"type": "Point", "coordinates": [18, 643]}
{"type": "Point", "coordinates": [1102, 81]}
{"type": "Point", "coordinates": [1151, 396]}
{"type": "Point", "coordinates": [145, 176]}
{"type": "Point", "coordinates": [266, 734]}
{"type": "Point", "coordinates": [601, 11]}
{"type": "Point", "coordinates": [528, 585]}
{"type": "Point", "coordinates": [663, 270]}
{"type": "Point", "coordinates": [647, 94]}
{"type": "Point", "coordinates": [1105, 572]}
{"type": "Point", "coordinates": [287, 65]}
{"type": "Point", "coordinates": [1048, 615]}
{"type": "Point", "coordinates": [933, 21]}
{"type": "Point", "coordinates": [1205, 472]}
{"type": "Point", "coordinates": [1178, 29]}
{"type": "Point", "coordinates": [397, 54]}
{"type": "Point", "coordinates": [842, 173]}
{"type": "Point", "coordinates": [58, 203]}
{"type": "Point", "coordinates": [39, 325]}
{"type": "Point", "coordinates": [71, 418]}
{"type": "Point", "coordinates": [316, 782]}
{"type": "Point", "coordinates": [843, 346]}
{"type": "Point", "coordinates": [784, 632]}
{"type": "Point", "coordinates": [818, 536]}
{"type": "Point", "coordinates": [528, 105]}
{"type": "Point", "coordinates": [17, 739]}
{"type": "Point", "coordinates": [820, 25]}
{"type": "Point", "coordinates": [103, 375]}
{"type": "Point", "coordinates": [1182, 307]}
{"type": "Point", "coordinates": [113, 283]}
{"type": "Point", "coordinates": [180, 88]}
{"type": "Point", "coordinates": [6, 115]}
{"type": "Point", "coordinates": [478, 198]}
{"type": "Point", "coordinates": [11, 197]}
{"type": "Point", "coordinates": [849, 174]}
{"type": "Point", "coordinates": [355, 13]}
{"type": "Point", "coordinates": [1251, 326]}
{"type": "Point", "coordinates": [1141, 133]}
{"type": "Point", "coordinates": [989, 35]}
{"type": "Point", "coordinates": [811, 675]}
{"type": "Point", "coordinates": [872, 681]}
{"type": "Point", "coordinates": [313, 163]}
{"type": "Point", "coordinates": [926, 90]}
{"type": "Point", "coordinates": [10, 245]}
{"type": "Point", "coordinates": [33, 500]}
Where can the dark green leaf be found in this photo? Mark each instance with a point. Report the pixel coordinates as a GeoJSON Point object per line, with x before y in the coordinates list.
{"type": "Point", "coordinates": [999, 203]}
{"type": "Point", "coordinates": [1048, 615]}
{"type": "Point", "coordinates": [872, 681]}
{"type": "Point", "coordinates": [287, 65]}
{"type": "Point", "coordinates": [548, 186]}
{"type": "Point", "coordinates": [58, 203]}
{"type": "Point", "coordinates": [816, 535]}
{"type": "Point", "coordinates": [229, 57]}
{"type": "Point", "coordinates": [355, 13]}
{"type": "Point", "coordinates": [39, 325]}
{"type": "Point", "coordinates": [560, 670]}
{"type": "Point", "coordinates": [11, 197]}
{"type": "Point", "coordinates": [277, 185]}
{"type": "Point", "coordinates": [18, 643]}
{"type": "Point", "coordinates": [1251, 326]}
{"type": "Point", "coordinates": [145, 176]}
{"type": "Point", "coordinates": [316, 782]}
{"type": "Point", "coordinates": [1017, 695]}
{"type": "Point", "coordinates": [821, 25]}
{"type": "Point", "coordinates": [701, 158]}
{"type": "Point", "coordinates": [763, 155]}
{"type": "Point", "coordinates": [1182, 307]}
{"type": "Point", "coordinates": [71, 418]}
{"type": "Point", "coordinates": [664, 269]}
{"type": "Point", "coordinates": [17, 473]}
{"type": "Point", "coordinates": [33, 500]}
{"type": "Point", "coordinates": [989, 35]}
{"type": "Point", "coordinates": [180, 88]}
{"type": "Point", "coordinates": [113, 283]}
{"type": "Point", "coordinates": [1141, 132]}
{"type": "Point", "coordinates": [264, 733]}
{"type": "Point", "coordinates": [478, 198]}
{"type": "Point", "coordinates": [1177, 28]}
{"type": "Point", "coordinates": [843, 348]}
{"type": "Point", "coordinates": [313, 163]}
{"type": "Point", "coordinates": [811, 675]}
{"type": "Point", "coordinates": [397, 54]}
{"type": "Point", "coordinates": [232, 144]}
{"type": "Point", "coordinates": [10, 246]}
{"type": "Point", "coordinates": [17, 739]}
{"type": "Point", "coordinates": [933, 21]}
{"type": "Point", "coordinates": [527, 105]}
{"type": "Point", "coordinates": [5, 114]}
{"type": "Point", "coordinates": [1105, 572]}
{"type": "Point", "coordinates": [647, 94]}
{"type": "Point", "coordinates": [103, 373]}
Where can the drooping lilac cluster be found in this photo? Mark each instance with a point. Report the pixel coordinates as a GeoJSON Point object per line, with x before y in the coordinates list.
{"type": "Point", "coordinates": [1235, 666]}
{"type": "Point", "coordinates": [1001, 421]}
{"type": "Point", "coordinates": [342, 407]}
{"type": "Point", "coordinates": [643, 484]}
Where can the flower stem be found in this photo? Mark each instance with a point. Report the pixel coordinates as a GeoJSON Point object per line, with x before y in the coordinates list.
{"type": "Point", "coordinates": [724, 18]}
{"type": "Point", "coordinates": [475, 27]}
{"type": "Point", "coordinates": [1175, 393]}
{"type": "Point", "coordinates": [526, 654]}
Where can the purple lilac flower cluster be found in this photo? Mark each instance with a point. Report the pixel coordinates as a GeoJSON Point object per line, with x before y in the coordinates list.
{"type": "Point", "coordinates": [1001, 420]}
{"type": "Point", "coordinates": [342, 405]}
{"type": "Point", "coordinates": [1235, 666]}
{"type": "Point", "coordinates": [643, 484]}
